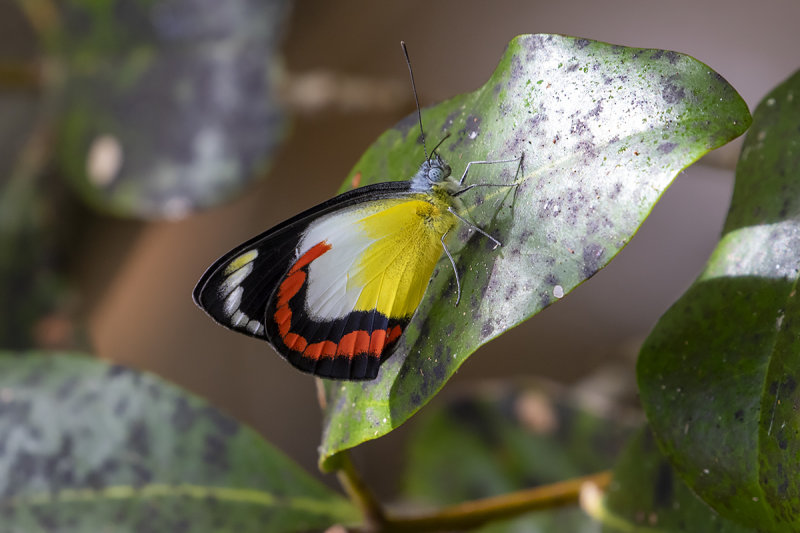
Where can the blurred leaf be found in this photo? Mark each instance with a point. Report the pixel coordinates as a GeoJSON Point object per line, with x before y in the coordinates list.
{"type": "Point", "coordinates": [719, 373]}
{"type": "Point", "coordinates": [647, 496]}
{"type": "Point", "coordinates": [170, 105]}
{"type": "Point", "coordinates": [85, 446]}
{"type": "Point", "coordinates": [503, 441]}
{"type": "Point", "coordinates": [604, 130]}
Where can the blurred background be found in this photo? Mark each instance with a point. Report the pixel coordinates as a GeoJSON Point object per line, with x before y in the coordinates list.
{"type": "Point", "coordinates": [339, 81]}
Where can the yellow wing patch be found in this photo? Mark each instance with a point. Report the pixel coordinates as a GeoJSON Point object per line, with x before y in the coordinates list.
{"type": "Point", "coordinates": [395, 269]}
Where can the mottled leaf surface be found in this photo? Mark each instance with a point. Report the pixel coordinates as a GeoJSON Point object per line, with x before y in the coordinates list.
{"type": "Point", "coordinates": [719, 373]}
{"type": "Point", "coordinates": [169, 105]}
{"type": "Point", "coordinates": [498, 441]}
{"type": "Point", "coordinates": [647, 496]}
{"type": "Point", "coordinates": [604, 129]}
{"type": "Point", "coordinates": [86, 446]}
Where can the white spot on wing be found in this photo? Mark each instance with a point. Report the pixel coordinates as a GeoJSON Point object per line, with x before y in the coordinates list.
{"type": "Point", "coordinates": [235, 280]}
{"type": "Point", "coordinates": [255, 327]}
{"type": "Point", "coordinates": [239, 318]}
{"type": "Point", "coordinates": [233, 301]}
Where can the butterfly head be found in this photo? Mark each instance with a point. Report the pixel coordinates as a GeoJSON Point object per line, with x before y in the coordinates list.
{"type": "Point", "coordinates": [432, 171]}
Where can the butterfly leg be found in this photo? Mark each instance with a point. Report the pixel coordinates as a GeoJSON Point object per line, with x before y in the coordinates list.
{"type": "Point", "coordinates": [488, 162]}
{"type": "Point", "coordinates": [452, 262]}
{"type": "Point", "coordinates": [475, 228]}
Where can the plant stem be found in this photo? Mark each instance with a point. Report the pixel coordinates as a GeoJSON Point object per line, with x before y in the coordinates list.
{"type": "Point", "coordinates": [475, 513]}
{"type": "Point", "coordinates": [469, 515]}
{"type": "Point", "coordinates": [357, 490]}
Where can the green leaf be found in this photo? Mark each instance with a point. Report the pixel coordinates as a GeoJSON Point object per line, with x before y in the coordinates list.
{"type": "Point", "coordinates": [647, 496]}
{"type": "Point", "coordinates": [169, 106]}
{"type": "Point", "coordinates": [496, 441]}
{"type": "Point", "coordinates": [85, 446]}
{"type": "Point", "coordinates": [719, 373]}
{"type": "Point", "coordinates": [604, 129]}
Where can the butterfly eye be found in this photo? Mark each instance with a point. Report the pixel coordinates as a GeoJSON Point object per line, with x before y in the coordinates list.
{"type": "Point", "coordinates": [435, 174]}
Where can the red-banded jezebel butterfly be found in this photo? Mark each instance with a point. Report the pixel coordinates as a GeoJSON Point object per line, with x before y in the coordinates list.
{"type": "Point", "coordinates": [333, 288]}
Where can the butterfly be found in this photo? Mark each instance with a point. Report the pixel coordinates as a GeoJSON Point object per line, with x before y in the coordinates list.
{"type": "Point", "coordinates": [333, 288]}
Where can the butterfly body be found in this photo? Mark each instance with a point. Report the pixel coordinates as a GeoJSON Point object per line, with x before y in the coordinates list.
{"type": "Point", "coordinates": [333, 288]}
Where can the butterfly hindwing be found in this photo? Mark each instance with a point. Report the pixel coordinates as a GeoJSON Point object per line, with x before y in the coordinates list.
{"type": "Point", "coordinates": [358, 277]}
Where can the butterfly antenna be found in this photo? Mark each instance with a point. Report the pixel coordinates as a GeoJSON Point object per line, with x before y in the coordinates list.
{"type": "Point", "coordinates": [416, 99]}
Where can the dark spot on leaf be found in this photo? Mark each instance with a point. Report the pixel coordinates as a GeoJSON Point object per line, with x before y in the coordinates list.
{"type": "Point", "coordinates": [487, 329]}
{"type": "Point", "coordinates": [656, 55]}
{"type": "Point", "coordinates": [544, 299]}
{"type": "Point", "coordinates": [573, 67]}
{"type": "Point", "coordinates": [138, 440]}
{"type": "Point", "coordinates": [662, 492]}
{"type": "Point", "coordinates": [596, 110]}
{"type": "Point", "coordinates": [616, 190]}
{"type": "Point", "coordinates": [450, 120]}
{"type": "Point", "coordinates": [15, 412]}
{"type": "Point", "coordinates": [534, 121]}
{"type": "Point", "coordinates": [121, 407]}
{"type": "Point", "coordinates": [588, 149]}
{"type": "Point", "coordinates": [224, 424]}
{"type": "Point", "coordinates": [511, 290]}
{"type": "Point", "coordinates": [405, 125]}
{"type": "Point", "coordinates": [672, 57]}
{"type": "Point", "coordinates": [773, 388]}
{"type": "Point", "coordinates": [154, 391]}
{"type": "Point", "coordinates": [671, 93]}
{"type": "Point", "coordinates": [471, 129]}
{"type": "Point", "coordinates": [66, 389]}
{"type": "Point", "coordinates": [184, 416]}
{"type": "Point", "coordinates": [438, 371]}
{"type": "Point", "coordinates": [96, 479]}
{"type": "Point", "coordinates": [551, 279]}
{"type": "Point", "coordinates": [215, 452]}
{"type": "Point", "coordinates": [579, 127]}
{"type": "Point", "coordinates": [33, 380]}
{"type": "Point", "coordinates": [739, 415]}
{"type": "Point", "coordinates": [142, 475]}
{"type": "Point", "coordinates": [666, 148]}
{"type": "Point", "coordinates": [117, 370]}
{"type": "Point", "coordinates": [582, 43]}
{"type": "Point", "coordinates": [592, 259]}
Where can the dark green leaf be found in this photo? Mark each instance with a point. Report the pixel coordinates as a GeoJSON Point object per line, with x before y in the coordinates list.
{"type": "Point", "coordinates": [499, 441]}
{"type": "Point", "coordinates": [719, 373]}
{"type": "Point", "coordinates": [604, 130]}
{"type": "Point", "coordinates": [86, 446]}
{"type": "Point", "coordinates": [170, 105]}
{"type": "Point", "coordinates": [647, 496]}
